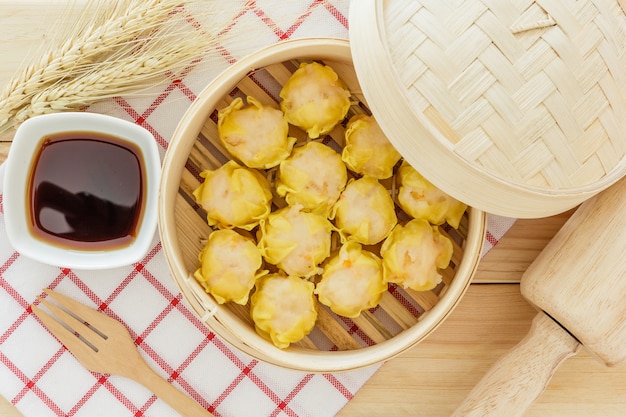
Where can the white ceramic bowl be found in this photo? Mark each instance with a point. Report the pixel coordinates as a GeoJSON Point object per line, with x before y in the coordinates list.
{"type": "Point", "coordinates": [23, 155]}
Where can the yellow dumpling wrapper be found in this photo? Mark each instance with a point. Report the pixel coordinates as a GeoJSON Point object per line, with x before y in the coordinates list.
{"type": "Point", "coordinates": [283, 308]}
{"type": "Point", "coordinates": [365, 212]}
{"type": "Point", "coordinates": [313, 176]}
{"type": "Point", "coordinates": [420, 199]}
{"type": "Point", "coordinates": [413, 254]}
{"type": "Point", "coordinates": [234, 196]}
{"type": "Point", "coordinates": [257, 135]}
{"type": "Point", "coordinates": [367, 150]}
{"type": "Point", "coordinates": [352, 281]}
{"type": "Point", "coordinates": [230, 264]}
{"type": "Point", "coordinates": [296, 241]}
{"type": "Point", "coordinates": [315, 99]}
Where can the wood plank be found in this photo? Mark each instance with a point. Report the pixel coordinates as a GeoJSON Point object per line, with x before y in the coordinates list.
{"type": "Point", "coordinates": [518, 248]}
{"type": "Point", "coordinates": [433, 377]}
{"type": "Point", "coordinates": [4, 150]}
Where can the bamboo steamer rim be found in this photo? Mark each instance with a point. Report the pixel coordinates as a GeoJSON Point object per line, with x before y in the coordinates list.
{"type": "Point", "coordinates": [225, 324]}
{"type": "Point", "coordinates": [468, 162]}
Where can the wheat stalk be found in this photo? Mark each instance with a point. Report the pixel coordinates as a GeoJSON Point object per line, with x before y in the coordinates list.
{"type": "Point", "coordinates": [81, 50]}
{"type": "Point", "coordinates": [111, 79]}
{"type": "Point", "coordinates": [123, 45]}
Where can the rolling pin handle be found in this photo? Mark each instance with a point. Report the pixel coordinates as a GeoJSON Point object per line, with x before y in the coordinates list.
{"type": "Point", "coordinates": [518, 378]}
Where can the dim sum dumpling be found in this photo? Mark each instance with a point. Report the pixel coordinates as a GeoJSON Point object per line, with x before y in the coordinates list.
{"type": "Point", "coordinates": [230, 264]}
{"type": "Point", "coordinates": [234, 196]}
{"type": "Point", "coordinates": [313, 176]}
{"type": "Point", "coordinates": [364, 212]}
{"type": "Point", "coordinates": [367, 150]}
{"type": "Point", "coordinates": [283, 308]}
{"type": "Point", "coordinates": [420, 199]}
{"type": "Point", "coordinates": [315, 99]}
{"type": "Point", "coordinates": [352, 281]}
{"type": "Point", "coordinates": [414, 253]}
{"type": "Point", "coordinates": [295, 240]}
{"type": "Point", "coordinates": [256, 134]}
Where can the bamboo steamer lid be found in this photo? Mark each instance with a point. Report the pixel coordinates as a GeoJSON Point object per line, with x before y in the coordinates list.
{"type": "Point", "coordinates": [515, 107]}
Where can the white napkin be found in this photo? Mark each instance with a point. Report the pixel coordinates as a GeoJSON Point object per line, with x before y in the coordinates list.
{"type": "Point", "coordinates": [43, 379]}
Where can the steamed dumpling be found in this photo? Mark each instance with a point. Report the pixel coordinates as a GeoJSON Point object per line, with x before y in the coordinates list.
{"type": "Point", "coordinates": [315, 99]}
{"type": "Point", "coordinates": [420, 199]}
{"type": "Point", "coordinates": [234, 196]}
{"type": "Point", "coordinates": [367, 150]}
{"type": "Point", "coordinates": [313, 176]}
{"type": "Point", "coordinates": [365, 211]}
{"type": "Point", "coordinates": [230, 264]}
{"type": "Point", "coordinates": [295, 240]}
{"type": "Point", "coordinates": [283, 308]}
{"type": "Point", "coordinates": [414, 253]}
{"type": "Point", "coordinates": [352, 281]}
{"type": "Point", "coordinates": [255, 134]}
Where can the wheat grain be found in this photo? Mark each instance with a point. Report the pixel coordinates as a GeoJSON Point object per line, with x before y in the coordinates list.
{"type": "Point", "coordinates": [114, 77]}
{"type": "Point", "coordinates": [114, 31]}
{"type": "Point", "coordinates": [80, 50]}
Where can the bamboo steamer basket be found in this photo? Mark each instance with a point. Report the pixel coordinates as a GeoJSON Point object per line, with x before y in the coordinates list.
{"type": "Point", "coordinates": [403, 318]}
{"type": "Point", "coordinates": [519, 104]}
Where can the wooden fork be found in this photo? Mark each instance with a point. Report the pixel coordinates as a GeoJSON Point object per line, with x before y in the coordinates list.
{"type": "Point", "coordinates": [102, 344]}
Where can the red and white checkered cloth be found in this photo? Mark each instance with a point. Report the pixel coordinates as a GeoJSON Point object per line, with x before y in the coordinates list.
{"type": "Point", "coordinates": [40, 377]}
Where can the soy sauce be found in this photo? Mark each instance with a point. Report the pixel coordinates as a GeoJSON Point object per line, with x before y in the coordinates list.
{"type": "Point", "coordinates": [86, 191]}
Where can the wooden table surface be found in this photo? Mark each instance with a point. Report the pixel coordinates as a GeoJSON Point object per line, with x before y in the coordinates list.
{"type": "Point", "coordinates": [433, 377]}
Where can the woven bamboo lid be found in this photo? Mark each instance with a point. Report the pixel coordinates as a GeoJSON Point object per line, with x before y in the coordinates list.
{"type": "Point", "coordinates": [514, 107]}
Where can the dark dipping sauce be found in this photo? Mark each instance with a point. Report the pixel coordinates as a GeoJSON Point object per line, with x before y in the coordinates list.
{"type": "Point", "coordinates": [86, 191]}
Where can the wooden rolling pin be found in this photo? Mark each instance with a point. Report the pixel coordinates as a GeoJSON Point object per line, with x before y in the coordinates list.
{"type": "Point", "coordinates": [578, 284]}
